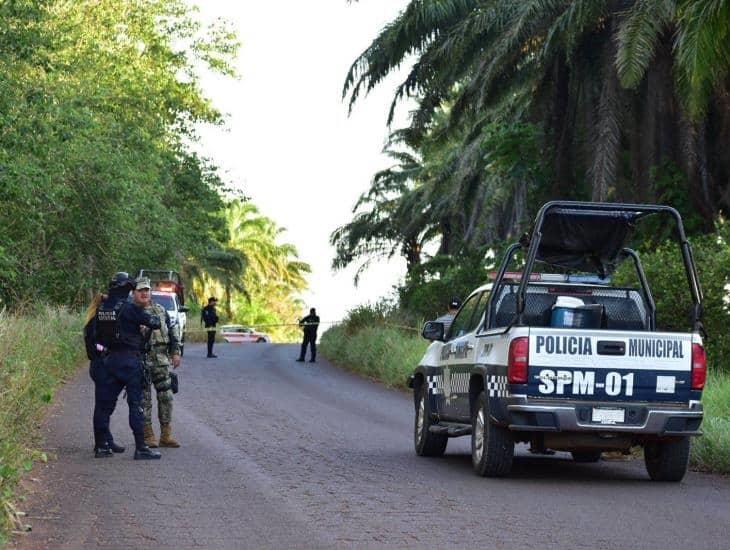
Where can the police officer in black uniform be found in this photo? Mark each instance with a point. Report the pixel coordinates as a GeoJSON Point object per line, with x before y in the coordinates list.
{"type": "Point", "coordinates": [209, 317]}
{"type": "Point", "coordinates": [309, 324]}
{"type": "Point", "coordinates": [97, 369]}
{"type": "Point", "coordinates": [118, 331]}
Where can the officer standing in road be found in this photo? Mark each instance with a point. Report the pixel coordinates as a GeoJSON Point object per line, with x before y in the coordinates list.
{"type": "Point", "coordinates": [117, 329]}
{"type": "Point", "coordinates": [310, 323]}
{"type": "Point", "coordinates": [209, 318]}
{"type": "Point", "coordinates": [97, 369]}
{"type": "Point", "coordinates": [162, 350]}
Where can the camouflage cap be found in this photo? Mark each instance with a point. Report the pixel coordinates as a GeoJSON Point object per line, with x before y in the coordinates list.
{"type": "Point", "coordinates": [142, 283]}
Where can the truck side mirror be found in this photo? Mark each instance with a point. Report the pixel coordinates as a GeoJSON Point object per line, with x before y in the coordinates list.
{"type": "Point", "coordinates": [183, 309]}
{"type": "Point", "coordinates": [433, 330]}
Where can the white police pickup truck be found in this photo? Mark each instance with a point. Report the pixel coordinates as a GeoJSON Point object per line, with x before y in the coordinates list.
{"type": "Point", "coordinates": [562, 359]}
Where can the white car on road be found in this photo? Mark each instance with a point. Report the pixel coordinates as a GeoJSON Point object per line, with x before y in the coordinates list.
{"type": "Point", "coordinates": [236, 334]}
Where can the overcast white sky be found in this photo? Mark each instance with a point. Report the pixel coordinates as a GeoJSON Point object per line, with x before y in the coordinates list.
{"type": "Point", "coordinates": [288, 140]}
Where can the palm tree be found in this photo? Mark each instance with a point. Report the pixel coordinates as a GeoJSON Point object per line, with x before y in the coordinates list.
{"type": "Point", "coordinates": [470, 192]}
{"type": "Point", "coordinates": [608, 80]}
{"type": "Point", "coordinates": [255, 236]}
{"type": "Point", "coordinates": [250, 263]}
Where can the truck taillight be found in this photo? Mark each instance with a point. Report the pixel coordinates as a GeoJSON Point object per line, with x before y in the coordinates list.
{"type": "Point", "coordinates": [518, 360]}
{"type": "Point", "coordinates": [699, 367]}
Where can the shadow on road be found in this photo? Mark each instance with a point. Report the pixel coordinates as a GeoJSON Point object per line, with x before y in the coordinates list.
{"type": "Point", "coordinates": [560, 467]}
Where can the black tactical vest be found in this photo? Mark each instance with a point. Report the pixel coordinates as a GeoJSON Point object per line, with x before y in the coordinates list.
{"type": "Point", "coordinates": [107, 330]}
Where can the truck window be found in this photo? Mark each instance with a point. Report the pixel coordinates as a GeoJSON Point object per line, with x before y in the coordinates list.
{"type": "Point", "coordinates": [165, 301]}
{"type": "Point", "coordinates": [463, 320]}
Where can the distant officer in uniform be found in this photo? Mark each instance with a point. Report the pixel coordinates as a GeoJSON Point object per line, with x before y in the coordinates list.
{"type": "Point", "coordinates": [117, 328]}
{"type": "Point", "coordinates": [448, 317]}
{"type": "Point", "coordinates": [209, 318]}
{"type": "Point", "coordinates": [163, 350]}
{"type": "Point", "coordinates": [309, 324]}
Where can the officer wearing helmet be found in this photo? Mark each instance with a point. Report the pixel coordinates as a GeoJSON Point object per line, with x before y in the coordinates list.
{"type": "Point", "coordinates": [119, 327]}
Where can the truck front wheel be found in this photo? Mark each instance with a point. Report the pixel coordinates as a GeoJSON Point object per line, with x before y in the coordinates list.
{"type": "Point", "coordinates": [492, 446]}
{"type": "Point", "coordinates": [667, 460]}
{"type": "Point", "coordinates": [426, 442]}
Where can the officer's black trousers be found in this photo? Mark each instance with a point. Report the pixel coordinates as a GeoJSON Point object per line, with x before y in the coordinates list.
{"type": "Point", "coordinates": [99, 374]}
{"type": "Point", "coordinates": [211, 340]}
{"type": "Point", "coordinates": [120, 370]}
{"type": "Point", "coordinates": [310, 339]}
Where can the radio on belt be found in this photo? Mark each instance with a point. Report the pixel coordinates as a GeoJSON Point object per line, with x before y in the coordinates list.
{"type": "Point", "coordinates": [559, 357]}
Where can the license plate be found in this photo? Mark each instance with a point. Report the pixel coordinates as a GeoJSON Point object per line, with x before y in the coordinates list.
{"type": "Point", "coordinates": [608, 416]}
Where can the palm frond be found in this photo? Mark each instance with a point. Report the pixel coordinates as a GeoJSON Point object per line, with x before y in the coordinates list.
{"type": "Point", "coordinates": [702, 50]}
{"type": "Point", "coordinates": [638, 33]}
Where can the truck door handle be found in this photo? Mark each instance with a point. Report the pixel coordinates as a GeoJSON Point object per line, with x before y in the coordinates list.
{"type": "Point", "coordinates": [607, 347]}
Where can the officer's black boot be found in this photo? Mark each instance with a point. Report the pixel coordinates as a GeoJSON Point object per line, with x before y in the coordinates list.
{"type": "Point", "coordinates": [115, 448]}
{"type": "Point", "coordinates": [101, 447]}
{"type": "Point", "coordinates": [142, 451]}
{"type": "Point", "coordinates": [145, 453]}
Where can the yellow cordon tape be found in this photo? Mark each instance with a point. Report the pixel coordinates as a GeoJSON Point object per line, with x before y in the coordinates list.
{"type": "Point", "coordinates": [402, 326]}
{"type": "Point", "coordinates": [255, 325]}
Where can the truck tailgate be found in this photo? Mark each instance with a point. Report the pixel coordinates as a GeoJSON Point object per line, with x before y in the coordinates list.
{"type": "Point", "coordinates": [604, 365]}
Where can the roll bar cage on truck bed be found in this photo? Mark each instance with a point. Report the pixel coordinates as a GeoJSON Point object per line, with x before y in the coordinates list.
{"type": "Point", "coordinates": [563, 361]}
{"type": "Point", "coordinates": [583, 235]}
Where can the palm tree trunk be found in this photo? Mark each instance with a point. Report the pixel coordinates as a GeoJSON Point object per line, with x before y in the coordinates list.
{"type": "Point", "coordinates": [561, 123]}
{"type": "Point", "coordinates": [694, 156]}
{"type": "Point", "coordinates": [227, 297]}
{"type": "Point", "coordinates": [607, 141]}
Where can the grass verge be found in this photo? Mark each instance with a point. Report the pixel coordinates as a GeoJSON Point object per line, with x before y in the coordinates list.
{"type": "Point", "coordinates": [386, 353]}
{"type": "Point", "coordinates": [390, 355]}
{"type": "Point", "coordinates": [37, 352]}
{"type": "Point", "coordinates": [711, 452]}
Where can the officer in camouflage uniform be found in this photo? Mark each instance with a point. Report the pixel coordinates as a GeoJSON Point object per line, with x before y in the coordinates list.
{"type": "Point", "coordinates": [163, 351]}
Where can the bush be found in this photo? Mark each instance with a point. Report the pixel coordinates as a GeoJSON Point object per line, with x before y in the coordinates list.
{"type": "Point", "coordinates": [668, 282]}
{"type": "Point", "coordinates": [37, 352]}
{"type": "Point", "coordinates": [377, 341]}
{"type": "Point", "coordinates": [712, 451]}
{"type": "Point", "coordinates": [385, 353]}
{"type": "Point", "coordinates": [430, 286]}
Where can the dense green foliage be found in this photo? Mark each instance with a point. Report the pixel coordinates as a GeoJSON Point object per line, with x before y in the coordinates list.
{"type": "Point", "coordinates": [373, 342]}
{"type": "Point", "coordinates": [520, 102]}
{"type": "Point", "coordinates": [99, 103]}
{"type": "Point", "coordinates": [711, 452]}
{"type": "Point", "coordinates": [259, 278]}
{"type": "Point", "coordinates": [98, 99]}
{"type": "Point", "coordinates": [37, 351]}
{"type": "Point", "coordinates": [668, 282]}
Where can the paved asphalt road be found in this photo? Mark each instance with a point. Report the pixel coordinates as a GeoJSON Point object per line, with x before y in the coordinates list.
{"type": "Point", "coordinates": [279, 454]}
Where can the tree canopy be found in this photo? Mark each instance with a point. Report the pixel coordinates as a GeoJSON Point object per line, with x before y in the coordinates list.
{"type": "Point", "coordinates": [99, 104]}
{"type": "Point", "coordinates": [519, 102]}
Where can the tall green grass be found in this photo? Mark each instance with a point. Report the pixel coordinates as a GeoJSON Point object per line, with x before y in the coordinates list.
{"type": "Point", "coordinates": [711, 452]}
{"type": "Point", "coordinates": [390, 354]}
{"type": "Point", "coordinates": [37, 352]}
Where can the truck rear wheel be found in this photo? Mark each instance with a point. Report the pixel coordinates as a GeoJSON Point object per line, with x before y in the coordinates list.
{"type": "Point", "coordinates": [667, 460]}
{"type": "Point", "coordinates": [426, 442]}
{"type": "Point", "coordinates": [492, 446]}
